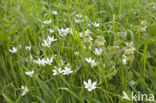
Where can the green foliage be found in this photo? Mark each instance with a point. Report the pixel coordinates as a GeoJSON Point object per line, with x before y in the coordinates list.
{"type": "Point", "coordinates": [121, 21]}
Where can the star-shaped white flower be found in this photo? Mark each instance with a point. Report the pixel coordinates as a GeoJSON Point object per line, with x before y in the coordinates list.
{"type": "Point", "coordinates": [47, 22]}
{"type": "Point", "coordinates": [51, 30]}
{"type": "Point", "coordinates": [89, 60]}
{"type": "Point", "coordinates": [49, 60]}
{"type": "Point", "coordinates": [30, 73]}
{"type": "Point", "coordinates": [40, 62]}
{"type": "Point", "coordinates": [93, 63]}
{"type": "Point", "coordinates": [54, 12]}
{"type": "Point", "coordinates": [28, 47]}
{"type": "Point", "coordinates": [90, 86]}
{"type": "Point", "coordinates": [57, 71]}
{"type": "Point", "coordinates": [76, 53]}
{"type": "Point", "coordinates": [98, 51]}
{"type": "Point", "coordinates": [51, 39]}
{"type": "Point", "coordinates": [13, 50]}
{"type": "Point", "coordinates": [132, 82]}
{"type": "Point", "coordinates": [124, 59]}
{"type": "Point", "coordinates": [46, 43]}
{"type": "Point", "coordinates": [25, 90]}
{"type": "Point", "coordinates": [96, 24]}
{"type": "Point", "coordinates": [67, 71]}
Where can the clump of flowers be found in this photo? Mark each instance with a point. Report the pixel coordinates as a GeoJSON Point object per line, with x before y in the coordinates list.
{"type": "Point", "coordinates": [66, 71]}
{"type": "Point", "coordinates": [143, 25]}
{"type": "Point", "coordinates": [87, 40]}
{"type": "Point", "coordinates": [91, 62]}
{"type": "Point", "coordinates": [47, 22]}
{"type": "Point", "coordinates": [90, 86]}
{"type": "Point", "coordinates": [79, 18]}
{"type": "Point", "coordinates": [128, 52]}
{"type": "Point", "coordinates": [100, 41]}
{"type": "Point", "coordinates": [43, 61]}
{"type": "Point", "coordinates": [48, 41]}
{"type": "Point", "coordinates": [63, 32]}
{"type": "Point", "coordinates": [57, 71]}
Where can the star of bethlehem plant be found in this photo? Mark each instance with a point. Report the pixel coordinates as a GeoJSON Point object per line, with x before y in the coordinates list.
{"type": "Point", "coordinates": [66, 71]}
{"type": "Point", "coordinates": [31, 73]}
{"type": "Point", "coordinates": [43, 62]}
{"type": "Point", "coordinates": [13, 50]}
{"type": "Point", "coordinates": [91, 62]}
{"type": "Point", "coordinates": [97, 51]}
{"type": "Point", "coordinates": [48, 41]}
{"type": "Point", "coordinates": [90, 86]}
{"type": "Point", "coordinates": [28, 47]}
{"type": "Point", "coordinates": [25, 90]}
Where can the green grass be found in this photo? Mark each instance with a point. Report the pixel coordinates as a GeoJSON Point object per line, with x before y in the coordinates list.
{"type": "Point", "coordinates": [21, 23]}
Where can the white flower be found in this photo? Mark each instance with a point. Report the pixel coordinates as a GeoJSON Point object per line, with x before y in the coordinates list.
{"type": "Point", "coordinates": [89, 24]}
{"type": "Point", "coordinates": [124, 59]}
{"type": "Point", "coordinates": [89, 60]}
{"type": "Point", "coordinates": [78, 20]}
{"type": "Point", "coordinates": [51, 30]}
{"type": "Point", "coordinates": [51, 39]}
{"type": "Point", "coordinates": [13, 50]}
{"type": "Point", "coordinates": [64, 32]}
{"type": "Point", "coordinates": [93, 63]}
{"type": "Point", "coordinates": [25, 90]}
{"type": "Point", "coordinates": [31, 57]}
{"type": "Point", "coordinates": [87, 32]}
{"type": "Point", "coordinates": [49, 61]}
{"type": "Point", "coordinates": [76, 53]}
{"type": "Point", "coordinates": [46, 43]}
{"type": "Point", "coordinates": [54, 12]}
{"type": "Point", "coordinates": [57, 71]}
{"type": "Point", "coordinates": [90, 86]}
{"type": "Point", "coordinates": [81, 34]}
{"type": "Point", "coordinates": [143, 29]}
{"type": "Point", "coordinates": [30, 73]}
{"type": "Point", "coordinates": [96, 24]}
{"type": "Point", "coordinates": [98, 51]}
{"type": "Point", "coordinates": [130, 48]}
{"type": "Point", "coordinates": [28, 47]}
{"type": "Point", "coordinates": [47, 22]}
{"type": "Point", "coordinates": [79, 16]}
{"type": "Point", "coordinates": [40, 62]}
{"type": "Point", "coordinates": [66, 71]}
{"type": "Point", "coordinates": [132, 82]}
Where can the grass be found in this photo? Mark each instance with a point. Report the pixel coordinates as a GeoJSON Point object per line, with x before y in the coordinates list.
{"type": "Point", "coordinates": [121, 21]}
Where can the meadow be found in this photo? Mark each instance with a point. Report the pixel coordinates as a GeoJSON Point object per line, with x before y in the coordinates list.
{"type": "Point", "coordinates": [77, 51]}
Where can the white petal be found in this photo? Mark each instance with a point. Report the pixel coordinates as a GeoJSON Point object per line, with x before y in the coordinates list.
{"type": "Point", "coordinates": [85, 83]}
{"type": "Point", "coordinates": [89, 81]}
{"type": "Point", "coordinates": [94, 83]}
